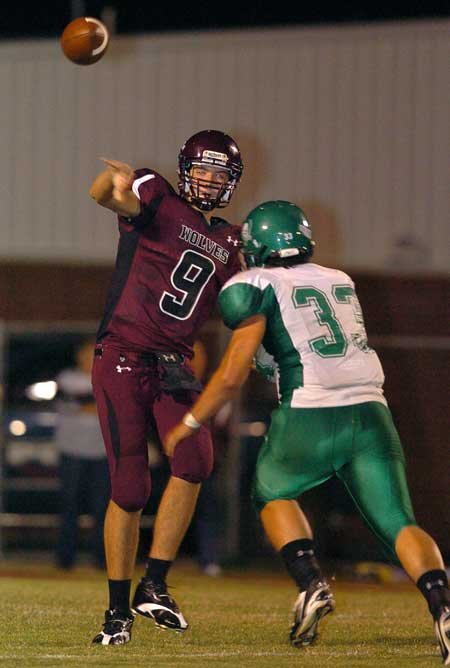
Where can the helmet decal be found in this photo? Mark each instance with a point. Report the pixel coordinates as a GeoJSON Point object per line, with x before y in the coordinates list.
{"type": "Point", "coordinates": [214, 157]}
{"type": "Point", "coordinates": [245, 232]}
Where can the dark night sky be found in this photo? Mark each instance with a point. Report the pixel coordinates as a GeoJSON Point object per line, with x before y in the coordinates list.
{"type": "Point", "coordinates": [49, 18]}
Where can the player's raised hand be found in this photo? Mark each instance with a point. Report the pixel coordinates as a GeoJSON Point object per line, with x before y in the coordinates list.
{"type": "Point", "coordinates": [122, 175]}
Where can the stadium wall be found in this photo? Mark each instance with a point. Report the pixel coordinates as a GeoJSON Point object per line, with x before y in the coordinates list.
{"type": "Point", "coordinates": [349, 121]}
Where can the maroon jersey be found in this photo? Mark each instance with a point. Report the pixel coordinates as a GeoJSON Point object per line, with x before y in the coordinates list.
{"type": "Point", "coordinates": [170, 267]}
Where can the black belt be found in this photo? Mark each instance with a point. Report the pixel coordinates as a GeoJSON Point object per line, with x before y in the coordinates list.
{"type": "Point", "coordinates": [150, 356]}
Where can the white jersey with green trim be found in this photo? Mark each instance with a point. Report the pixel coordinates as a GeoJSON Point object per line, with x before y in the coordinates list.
{"type": "Point", "coordinates": [315, 333]}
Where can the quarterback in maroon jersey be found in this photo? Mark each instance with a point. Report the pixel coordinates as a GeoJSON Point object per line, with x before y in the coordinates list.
{"type": "Point", "coordinates": [173, 258]}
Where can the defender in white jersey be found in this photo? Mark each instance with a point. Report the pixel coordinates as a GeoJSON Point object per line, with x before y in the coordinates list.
{"type": "Point", "coordinates": [315, 330]}
{"type": "Point", "coordinates": [332, 417]}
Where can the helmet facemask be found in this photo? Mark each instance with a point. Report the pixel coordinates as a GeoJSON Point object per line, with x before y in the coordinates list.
{"type": "Point", "coordinates": [191, 187]}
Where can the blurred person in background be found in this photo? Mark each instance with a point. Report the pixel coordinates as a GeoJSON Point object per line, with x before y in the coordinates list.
{"type": "Point", "coordinates": [83, 466]}
{"type": "Point", "coordinates": [332, 419]}
{"type": "Point", "coordinates": [173, 258]}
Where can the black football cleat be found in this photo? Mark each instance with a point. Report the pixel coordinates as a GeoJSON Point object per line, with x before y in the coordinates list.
{"type": "Point", "coordinates": [309, 608]}
{"type": "Point", "coordinates": [442, 630]}
{"type": "Point", "coordinates": [116, 629]}
{"type": "Point", "coordinates": [152, 600]}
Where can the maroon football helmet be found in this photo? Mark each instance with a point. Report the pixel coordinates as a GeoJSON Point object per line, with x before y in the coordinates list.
{"type": "Point", "coordinates": [209, 148]}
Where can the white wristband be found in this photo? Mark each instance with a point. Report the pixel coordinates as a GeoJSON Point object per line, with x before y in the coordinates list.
{"type": "Point", "coordinates": [190, 421]}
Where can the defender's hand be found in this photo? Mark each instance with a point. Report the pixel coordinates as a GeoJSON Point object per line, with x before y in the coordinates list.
{"type": "Point", "coordinates": [174, 436]}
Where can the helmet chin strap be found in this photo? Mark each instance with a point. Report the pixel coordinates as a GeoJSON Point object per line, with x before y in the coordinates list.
{"type": "Point", "coordinates": [204, 205]}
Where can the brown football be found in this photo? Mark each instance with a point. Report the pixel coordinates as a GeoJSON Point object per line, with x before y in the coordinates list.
{"type": "Point", "coordinates": [85, 40]}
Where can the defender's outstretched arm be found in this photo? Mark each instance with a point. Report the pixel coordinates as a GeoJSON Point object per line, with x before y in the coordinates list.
{"type": "Point", "coordinates": [226, 380]}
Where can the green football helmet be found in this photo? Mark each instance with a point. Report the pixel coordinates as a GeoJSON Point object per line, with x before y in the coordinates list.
{"type": "Point", "coordinates": [276, 229]}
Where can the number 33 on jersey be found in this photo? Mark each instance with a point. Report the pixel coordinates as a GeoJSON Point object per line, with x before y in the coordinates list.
{"type": "Point", "coordinates": [315, 330]}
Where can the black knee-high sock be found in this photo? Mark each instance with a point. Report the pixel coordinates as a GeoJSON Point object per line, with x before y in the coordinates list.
{"type": "Point", "coordinates": [301, 564]}
{"type": "Point", "coordinates": [119, 594]}
{"type": "Point", "coordinates": [434, 587]}
{"type": "Point", "coordinates": [157, 570]}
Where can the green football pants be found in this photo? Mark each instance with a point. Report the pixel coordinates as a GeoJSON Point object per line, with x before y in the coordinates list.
{"type": "Point", "coordinates": [360, 444]}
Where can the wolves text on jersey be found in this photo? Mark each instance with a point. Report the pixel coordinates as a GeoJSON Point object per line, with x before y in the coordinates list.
{"type": "Point", "coordinates": [197, 239]}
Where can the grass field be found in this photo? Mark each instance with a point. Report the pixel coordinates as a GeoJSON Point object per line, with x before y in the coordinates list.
{"type": "Point", "coordinates": [241, 619]}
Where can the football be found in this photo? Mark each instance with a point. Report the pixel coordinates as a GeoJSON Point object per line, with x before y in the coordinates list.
{"type": "Point", "coordinates": [85, 40]}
